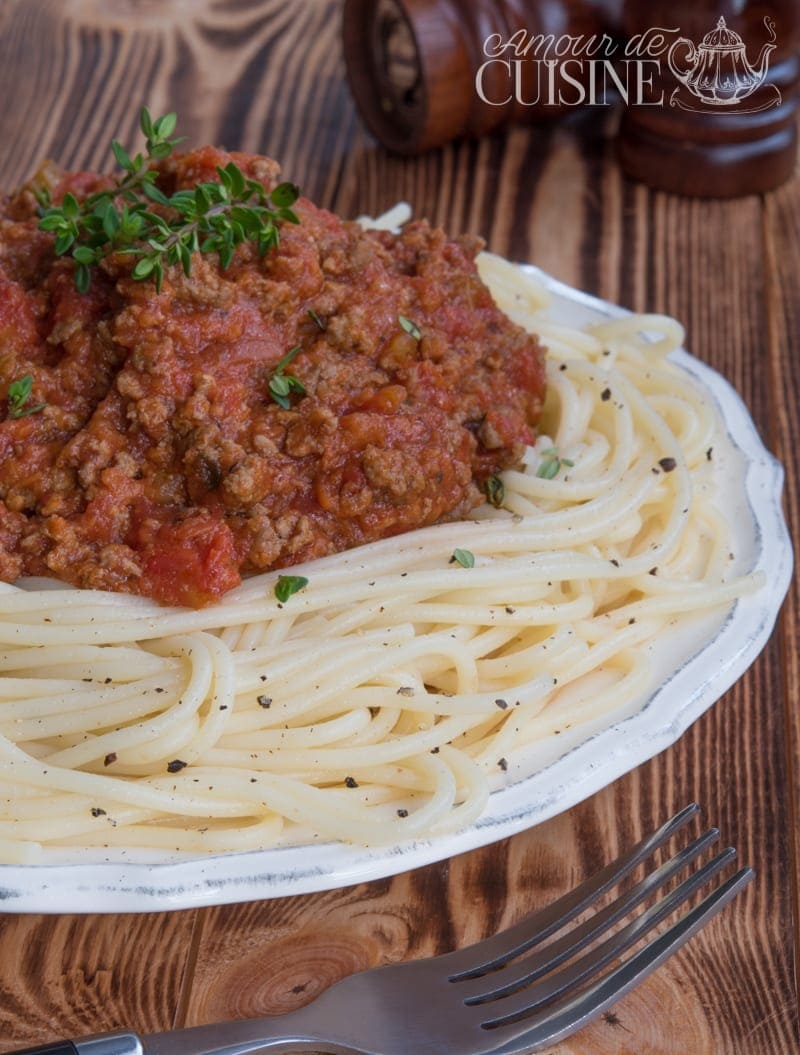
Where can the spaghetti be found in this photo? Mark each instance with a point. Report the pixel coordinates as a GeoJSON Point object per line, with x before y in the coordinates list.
{"type": "Point", "coordinates": [385, 699]}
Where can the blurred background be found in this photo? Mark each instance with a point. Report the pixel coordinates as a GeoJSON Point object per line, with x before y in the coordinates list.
{"type": "Point", "coordinates": [269, 76]}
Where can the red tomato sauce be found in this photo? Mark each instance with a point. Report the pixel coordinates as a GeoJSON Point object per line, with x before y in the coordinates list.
{"type": "Point", "coordinates": [162, 465]}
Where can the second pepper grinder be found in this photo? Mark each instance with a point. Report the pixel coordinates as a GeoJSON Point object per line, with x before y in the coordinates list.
{"type": "Point", "coordinates": [727, 122]}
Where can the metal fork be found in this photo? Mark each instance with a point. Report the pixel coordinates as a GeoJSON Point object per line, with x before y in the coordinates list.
{"type": "Point", "coordinates": [498, 997]}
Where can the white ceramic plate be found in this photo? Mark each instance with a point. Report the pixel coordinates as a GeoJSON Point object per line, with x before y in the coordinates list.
{"type": "Point", "coordinates": [693, 668]}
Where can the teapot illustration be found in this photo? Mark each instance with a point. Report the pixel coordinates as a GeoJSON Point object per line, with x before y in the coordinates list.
{"type": "Point", "coordinates": [718, 71]}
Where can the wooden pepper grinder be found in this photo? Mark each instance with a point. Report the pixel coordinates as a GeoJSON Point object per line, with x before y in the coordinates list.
{"type": "Point", "coordinates": [727, 122]}
{"type": "Point", "coordinates": [709, 87]}
{"type": "Point", "coordinates": [421, 73]}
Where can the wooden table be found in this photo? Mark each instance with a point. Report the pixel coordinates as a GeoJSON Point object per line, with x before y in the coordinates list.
{"type": "Point", "coordinates": [266, 75]}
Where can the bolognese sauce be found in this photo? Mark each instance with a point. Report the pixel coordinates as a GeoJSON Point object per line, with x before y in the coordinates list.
{"type": "Point", "coordinates": [167, 458]}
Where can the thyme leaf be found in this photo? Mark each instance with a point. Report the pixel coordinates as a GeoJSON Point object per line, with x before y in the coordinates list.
{"type": "Point", "coordinates": [410, 327]}
{"type": "Point", "coordinates": [281, 385]}
{"type": "Point", "coordinates": [463, 557]}
{"type": "Point", "coordinates": [552, 464]}
{"type": "Point", "coordinates": [288, 585]}
{"type": "Point", "coordinates": [19, 392]}
{"type": "Point", "coordinates": [495, 491]}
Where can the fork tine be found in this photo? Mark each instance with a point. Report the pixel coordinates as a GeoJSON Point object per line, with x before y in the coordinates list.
{"type": "Point", "coordinates": [496, 951]}
{"type": "Point", "coordinates": [550, 988]}
{"type": "Point", "coordinates": [566, 1018]}
{"type": "Point", "coordinates": [551, 956]}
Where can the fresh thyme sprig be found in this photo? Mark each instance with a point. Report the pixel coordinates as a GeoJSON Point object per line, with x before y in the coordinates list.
{"type": "Point", "coordinates": [212, 217]}
{"type": "Point", "coordinates": [19, 394]}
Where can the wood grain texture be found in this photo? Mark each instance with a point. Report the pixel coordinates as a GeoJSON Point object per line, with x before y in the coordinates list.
{"type": "Point", "coordinates": [73, 975]}
{"type": "Point", "coordinates": [266, 75]}
{"type": "Point", "coordinates": [782, 252]}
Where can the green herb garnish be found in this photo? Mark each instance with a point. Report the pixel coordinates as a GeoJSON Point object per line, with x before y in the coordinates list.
{"type": "Point", "coordinates": [282, 385]}
{"type": "Point", "coordinates": [313, 315]}
{"type": "Point", "coordinates": [551, 464]}
{"type": "Point", "coordinates": [410, 327]}
{"type": "Point", "coordinates": [463, 557]}
{"type": "Point", "coordinates": [19, 392]}
{"type": "Point", "coordinates": [288, 585]}
{"type": "Point", "coordinates": [212, 217]}
{"type": "Point", "coordinates": [495, 491]}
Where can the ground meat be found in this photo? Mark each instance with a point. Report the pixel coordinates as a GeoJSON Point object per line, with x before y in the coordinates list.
{"type": "Point", "coordinates": [161, 465]}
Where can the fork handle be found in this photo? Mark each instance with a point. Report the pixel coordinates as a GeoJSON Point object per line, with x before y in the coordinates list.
{"type": "Point", "coordinates": [281, 1034]}
{"type": "Point", "coordinates": [58, 1047]}
{"type": "Point", "coordinates": [200, 1040]}
{"type": "Point", "coordinates": [119, 1043]}
{"type": "Point", "coordinates": [296, 1031]}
